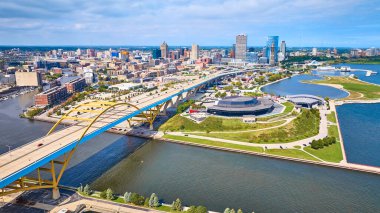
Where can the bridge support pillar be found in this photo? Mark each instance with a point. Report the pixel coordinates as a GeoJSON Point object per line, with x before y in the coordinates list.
{"type": "Point", "coordinates": [56, 193]}
{"type": "Point", "coordinates": [151, 126]}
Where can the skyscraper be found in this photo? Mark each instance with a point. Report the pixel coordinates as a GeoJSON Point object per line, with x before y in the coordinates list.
{"type": "Point", "coordinates": [314, 52]}
{"type": "Point", "coordinates": [194, 52]}
{"type": "Point", "coordinates": [241, 46]}
{"type": "Point", "coordinates": [156, 53]}
{"type": "Point", "coordinates": [272, 60]}
{"type": "Point", "coordinates": [283, 48]}
{"type": "Point", "coordinates": [269, 51]}
{"type": "Point", "coordinates": [164, 50]}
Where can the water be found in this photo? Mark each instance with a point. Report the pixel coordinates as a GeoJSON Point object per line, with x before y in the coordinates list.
{"type": "Point", "coordinates": [293, 86]}
{"type": "Point", "coordinates": [360, 129]}
{"type": "Point", "coordinates": [220, 179]}
{"type": "Point", "coordinates": [361, 75]}
{"type": "Point", "coordinates": [201, 176]}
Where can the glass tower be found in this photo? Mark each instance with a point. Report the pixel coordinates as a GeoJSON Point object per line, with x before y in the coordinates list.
{"type": "Point", "coordinates": [272, 39]}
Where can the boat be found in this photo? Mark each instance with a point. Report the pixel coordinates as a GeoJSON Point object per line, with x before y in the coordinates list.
{"type": "Point", "coordinates": [345, 69]}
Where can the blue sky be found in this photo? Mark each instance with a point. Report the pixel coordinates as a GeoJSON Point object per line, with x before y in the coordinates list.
{"type": "Point", "coordinates": [321, 23]}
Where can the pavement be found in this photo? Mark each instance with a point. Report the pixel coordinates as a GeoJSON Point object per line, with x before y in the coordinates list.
{"type": "Point", "coordinates": [323, 132]}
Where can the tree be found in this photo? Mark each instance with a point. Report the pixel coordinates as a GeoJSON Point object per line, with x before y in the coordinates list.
{"type": "Point", "coordinates": [146, 203]}
{"type": "Point", "coordinates": [240, 211]}
{"type": "Point", "coordinates": [177, 205]}
{"type": "Point", "coordinates": [232, 211]}
{"type": "Point", "coordinates": [137, 199]}
{"type": "Point", "coordinates": [103, 194]}
{"type": "Point", "coordinates": [201, 209]}
{"type": "Point", "coordinates": [127, 197]}
{"type": "Point", "coordinates": [80, 188]}
{"type": "Point", "coordinates": [87, 190]}
{"type": "Point", "coordinates": [227, 210]}
{"type": "Point", "coordinates": [191, 209]}
{"type": "Point", "coordinates": [109, 194]}
{"type": "Point", "coordinates": [153, 201]}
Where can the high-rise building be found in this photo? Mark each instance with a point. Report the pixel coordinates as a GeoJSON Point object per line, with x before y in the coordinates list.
{"type": "Point", "coordinates": [164, 50]}
{"type": "Point", "coordinates": [194, 52]}
{"type": "Point", "coordinates": [28, 79]}
{"type": "Point", "coordinates": [272, 40]}
{"type": "Point", "coordinates": [272, 60]}
{"type": "Point", "coordinates": [156, 53]}
{"type": "Point", "coordinates": [314, 52]}
{"type": "Point", "coordinates": [283, 48]}
{"type": "Point", "coordinates": [241, 46]}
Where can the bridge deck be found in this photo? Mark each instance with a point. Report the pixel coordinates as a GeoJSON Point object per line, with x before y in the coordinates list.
{"type": "Point", "coordinates": [31, 156]}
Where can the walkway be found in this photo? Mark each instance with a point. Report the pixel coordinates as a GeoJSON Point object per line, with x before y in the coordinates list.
{"type": "Point", "coordinates": [323, 132]}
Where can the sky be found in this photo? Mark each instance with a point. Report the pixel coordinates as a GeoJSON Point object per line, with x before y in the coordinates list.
{"type": "Point", "coordinates": [301, 23]}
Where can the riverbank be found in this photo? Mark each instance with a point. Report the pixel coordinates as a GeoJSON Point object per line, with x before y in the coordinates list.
{"type": "Point", "coordinates": [348, 166]}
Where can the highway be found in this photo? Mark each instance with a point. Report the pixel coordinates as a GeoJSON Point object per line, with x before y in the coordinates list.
{"type": "Point", "coordinates": [27, 158]}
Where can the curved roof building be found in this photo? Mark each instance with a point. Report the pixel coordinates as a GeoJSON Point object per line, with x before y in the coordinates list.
{"type": "Point", "coordinates": [241, 105]}
{"type": "Point", "coordinates": [305, 100]}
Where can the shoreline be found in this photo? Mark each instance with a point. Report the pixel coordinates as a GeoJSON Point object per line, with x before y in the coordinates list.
{"type": "Point", "coordinates": [153, 135]}
{"type": "Point", "coordinates": [347, 166]}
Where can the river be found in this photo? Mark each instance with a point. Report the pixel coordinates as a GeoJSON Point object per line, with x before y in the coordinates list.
{"type": "Point", "coordinates": [200, 176]}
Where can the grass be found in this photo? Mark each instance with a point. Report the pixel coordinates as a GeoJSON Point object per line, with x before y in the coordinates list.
{"type": "Point", "coordinates": [304, 126]}
{"type": "Point", "coordinates": [288, 108]}
{"type": "Point", "coordinates": [293, 153]}
{"type": "Point", "coordinates": [214, 143]}
{"type": "Point", "coordinates": [331, 117]}
{"type": "Point", "coordinates": [355, 87]}
{"type": "Point", "coordinates": [332, 153]}
{"type": "Point", "coordinates": [333, 132]}
{"type": "Point", "coordinates": [180, 123]}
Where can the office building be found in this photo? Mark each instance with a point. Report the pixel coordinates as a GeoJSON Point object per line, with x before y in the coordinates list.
{"type": "Point", "coordinates": [283, 48]}
{"type": "Point", "coordinates": [272, 41]}
{"type": "Point", "coordinates": [241, 46]}
{"type": "Point", "coordinates": [314, 52]}
{"type": "Point", "coordinates": [51, 96]}
{"type": "Point", "coordinates": [164, 50]}
{"type": "Point", "coordinates": [28, 79]}
{"type": "Point", "coordinates": [76, 85]}
{"type": "Point", "coordinates": [194, 52]}
{"type": "Point", "coordinates": [156, 53]}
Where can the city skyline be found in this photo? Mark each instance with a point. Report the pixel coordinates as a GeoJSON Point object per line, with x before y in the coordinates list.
{"type": "Point", "coordinates": [214, 23]}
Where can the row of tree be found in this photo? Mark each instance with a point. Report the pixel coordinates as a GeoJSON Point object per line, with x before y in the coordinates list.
{"type": "Point", "coordinates": [139, 200]}
{"type": "Point", "coordinates": [319, 144]}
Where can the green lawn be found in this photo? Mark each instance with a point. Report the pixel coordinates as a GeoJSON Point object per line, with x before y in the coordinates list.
{"type": "Point", "coordinates": [333, 132]}
{"type": "Point", "coordinates": [304, 126]}
{"type": "Point", "coordinates": [288, 108]}
{"type": "Point", "coordinates": [354, 86]}
{"type": "Point", "coordinates": [332, 153]}
{"type": "Point", "coordinates": [331, 117]}
{"type": "Point", "coordinates": [293, 153]}
{"type": "Point", "coordinates": [214, 143]}
{"type": "Point", "coordinates": [180, 123]}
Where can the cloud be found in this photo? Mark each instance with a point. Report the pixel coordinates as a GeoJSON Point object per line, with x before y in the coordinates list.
{"type": "Point", "coordinates": [148, 22]}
